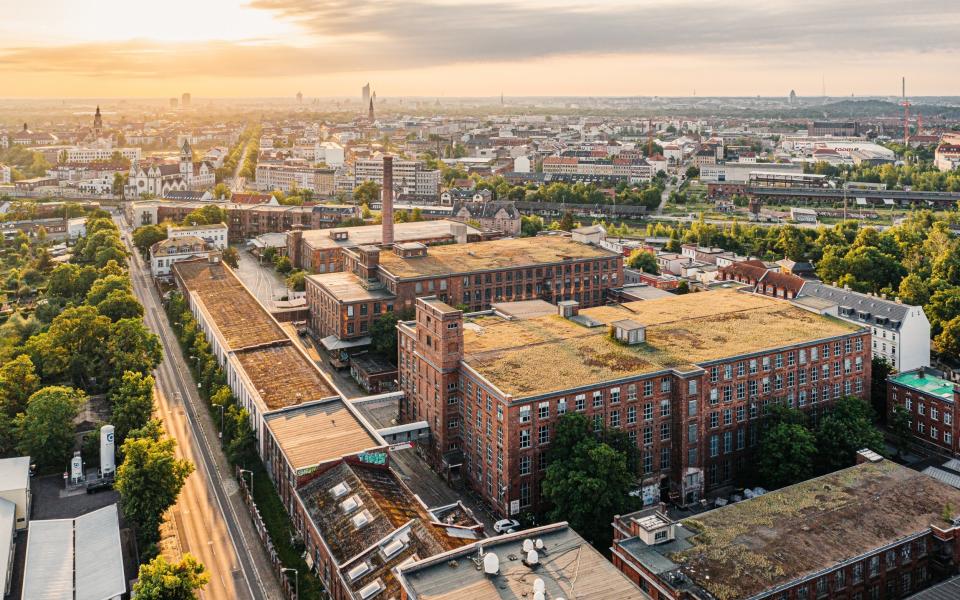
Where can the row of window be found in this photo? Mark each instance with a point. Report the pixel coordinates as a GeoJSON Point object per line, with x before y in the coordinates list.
{"type": "Point", "coordinates": [815, 353]}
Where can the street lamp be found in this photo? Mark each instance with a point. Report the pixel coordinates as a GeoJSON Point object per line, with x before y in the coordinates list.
{"type": "Point", "coordinates": [220, 406]}
{"type": "Point", "coordinates": [296, 579]}
{"type": "Point", "coordinates": [242, 471]}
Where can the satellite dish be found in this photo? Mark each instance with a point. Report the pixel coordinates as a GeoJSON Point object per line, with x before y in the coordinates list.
{"type": "Point", "coordinates": [538, 544]}
{"type": "Point", "coordinates": [538, 586]}
{"type": "Point", "coordinates": [527, 545]}
{"type": "Point", "coordinates": [491, 563]}
{"type": "Point", "coordinates": [532, 557]}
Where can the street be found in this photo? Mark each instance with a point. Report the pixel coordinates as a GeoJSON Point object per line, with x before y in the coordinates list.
{"type": "Point", "coordinates": [263, 282]}
{"type": "Point", "coordinates": [210, 518]}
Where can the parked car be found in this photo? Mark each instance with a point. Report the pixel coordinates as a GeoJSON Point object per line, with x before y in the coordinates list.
{"type": "Point", "coordinates": [506, 526]}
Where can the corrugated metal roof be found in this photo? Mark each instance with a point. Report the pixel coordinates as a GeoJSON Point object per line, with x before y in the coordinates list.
{"type": "Point", "coordinates": [86, 550]}
{"type": "Point", "coordinates": [944, 476]}
{"type": "Point", "coordinates": [8, 517]}
{"type": "Point", "coordinates": [948, 590]}
{"type": "Point", "coordinates": [15, 473]}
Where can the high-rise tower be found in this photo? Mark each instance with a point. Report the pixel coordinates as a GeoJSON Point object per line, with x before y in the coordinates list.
{"type": "Point", "coordinates": [97, 124]}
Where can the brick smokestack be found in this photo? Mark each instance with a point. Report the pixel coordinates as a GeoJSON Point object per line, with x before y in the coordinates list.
{"type": "Point", "coordinates": [387, 198]}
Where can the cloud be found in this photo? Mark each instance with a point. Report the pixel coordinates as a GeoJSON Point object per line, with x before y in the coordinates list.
{"type": "Point", "coordinates": [382, 35]}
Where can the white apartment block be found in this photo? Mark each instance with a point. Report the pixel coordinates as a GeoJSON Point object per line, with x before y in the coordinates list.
{"type": "Point", "coordinates": [6, 174]}
{"type": "Point", "coordinates": [214, 235]}
{"type": "Point", "coordinates": [83, 154]}
{"type": "Point", "coordinates": [285, 178]}
{"type": "Point", "coordinates": [409, 176]}
{"type": "Point", "coordinates": [900, 332]}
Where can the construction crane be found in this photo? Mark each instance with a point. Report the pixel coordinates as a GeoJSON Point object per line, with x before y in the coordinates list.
{"type": "Point", "coordinates": [906, 114]}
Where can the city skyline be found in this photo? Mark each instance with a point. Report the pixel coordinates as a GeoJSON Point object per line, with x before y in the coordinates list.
{"type": "Point", "coordinates": [274, 48]}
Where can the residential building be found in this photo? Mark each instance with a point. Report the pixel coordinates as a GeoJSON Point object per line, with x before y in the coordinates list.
{"type": "Point", "coordinates": [321, 250]}
{"type": "Point", "coordinates": [553, 268]}
{"type": "Point", "coordinates": [99, 152]}
{"type": "Point", "coordinates": [215, 235]}
{"type": "Point", "coordinates": [328, 153]}
{"type": "Point", "coordinates": [76, 559]}
{"type": "Point", "coordinates": [762, 279]}
{"type": "Point", "coordinates": [874, 530]}
{"type": "Point", "coordinates": [165, 253]}
{"type": "Point", "coordinates": [359, 522]}
{"type": "Point", "coordinates": [287, 178]}
{"type": "Point", "coordinates": [497, 215]}
{"type": "Point", "coordinates": [565, 565]}
{"type": "Point", "coordinates": [930, 400]}
{"type": "Point", "coordinates": [492, 388]}
{"type": "Point", "coordinates": [947, 157]}
{"type": "Point", "coordinates": [15, 488]}
{"type": "Point", "coordinates": [6, 174]}
{"type": "Point", "coordinates": [901, 332]}
{"type": "Point", "coordinates": [835, 129]}
{"type": "Point", "coordinates": [410, 177]}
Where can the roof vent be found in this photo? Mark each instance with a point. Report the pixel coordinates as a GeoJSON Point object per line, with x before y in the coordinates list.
{"type": "Point", "coordinates": [351, 503]}
{"type": "Point", "coordinates": [358, 571]}
{"type": "Point", "coordinates": [491, 563]}
{"type": "Point", "coordinates": [538, 586]}
{"type": "Point", "coordinates": [538, 544]}
{"type": "Point", "coordinates": [362, 519]}
{"type": "Point", "coordinates": [629, 332]}
{"type": "Point", "coordinates": [372, 589]}
{"type": "Point", "coordinates": [568, 308]}
{"type": "Point", "coordinates": [340, 489]}
{"type": "Point", "coordinates": [392, 548]}
{"type": "Point", "coordinates": [527, 545]}
{"type": "Point", "coordinates": [533, 559]}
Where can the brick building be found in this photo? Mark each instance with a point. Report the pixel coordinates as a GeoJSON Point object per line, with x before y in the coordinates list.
{"type": "Point", "coordinates": [244, 220]}
{"type": "Point", "coordinates": [874, 530]}
{"type": "Point", "coordinates": [931, 402]}
{"type": "Point", "coordinates": [474, 275]}
{"type": "Point", "coordinates": [688, 378]}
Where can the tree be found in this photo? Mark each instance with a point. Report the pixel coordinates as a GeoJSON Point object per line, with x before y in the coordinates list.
{"type": "Point", "coordinates": [786, 454]}
{"type": "Point", "coordinates": [283, 265]}
{"type": "Point", "coordinates": [73, 346]}
{"type": "Point", "coordinates": [590, 486]}
{"type": "Point", "coordinates": [683, 288]}
{"type": "Point", "coordinates": [231, 257]}
{"type": "Point", "coordinates": [947, 342]}
{"type": "Point", "coordinates": [119, 185]}
{"type": "Point", "coordinates": [566, 221]}
{"type": "Point", "coordinates": [366, 193]}
{"type": "Point", "coordinates": [131, 347]}
{"type": "Point", "coordinates": [149, 480]}
{"type": "Point", "coordinates": [104, 286]}
{"type": "Point", "coordinates": [46, 428]}
{"type": "Point", "coordinates": [692, 172]}
{"type": "Point", "coordinates": [222, 191]}
{"type": "Point", "coordinates": [207, 215]}
{"type": "Point", "coordinates": [132, 401]}
{"type": "Point", "coordinates": [18, 381]}
{"type": "Point", "coordinates": [845, 430]}
{"type": "Point", "coordinates": [160, 580]}
{"type": "Point", "coordinates": [901, 429]}
{"type": "Point", "coordinates": [530, 225]}
{"type": "Point", "coordinates": [297, 281]}
{"type": "Point", "coordinates": [146, 236]}
{"type": "Point", "coordinates": [383, 333]}
{"type": "Point", "coordinates": [120, 305]}
{"type": "Point", "coordinates": [880, 369]}
{"type": "Point", "coordinates": [242, 447]}
{"type": "Point", "coordinates": [643, 260]}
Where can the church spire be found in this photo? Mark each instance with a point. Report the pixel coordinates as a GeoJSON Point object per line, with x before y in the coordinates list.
{"type": "Point", "coordinates": [370, 112]}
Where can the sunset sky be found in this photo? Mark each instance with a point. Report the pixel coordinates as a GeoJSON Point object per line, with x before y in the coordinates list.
{"type": "Point", "coordinates": [216, 48]}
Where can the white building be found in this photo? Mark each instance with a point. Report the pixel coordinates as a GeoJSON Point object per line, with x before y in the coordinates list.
{"type": "Point", "coordinates": [85, 154]}
{"type": "Point", "coordinates": [158, 179]}
{"type": "Point", "coordinates": [410, 177]}
{"type": "Point", "coordinates": [329, 153]}
{"type": "Point", "coordinates": [215, 235]}
{"type": "Point", "coordinates": [521, 164]}
{"type": "Point", "coordinates": [15, 487]}
{"type": "Point", "coordinates": [287, 177]}
{"type": "Point", "coordinates": [900, 332]}
{"type": "Point", "coordinates": [78, 559]}
{"type": "Point", "coordinates": [6, 174]}
{"type": "Point", "coordinates": [76, 228]}
{"type": "Point", "coordinates": [164, 254]}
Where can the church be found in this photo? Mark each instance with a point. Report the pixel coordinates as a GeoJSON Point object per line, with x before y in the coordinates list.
{"type": "Point", "coordinates": [160, 178]}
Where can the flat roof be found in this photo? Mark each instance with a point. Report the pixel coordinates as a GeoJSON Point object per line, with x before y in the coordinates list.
{"type": "Point", "coordinates": [811, 526]}
{"type": "Point", "coordinates": [524, 309]}
{"type": "Point", "coordinates": [283, 376]}
{"type": "Point", "coordinates": [681, 332]}
{"type": "Point", "coordinates": [926, 383]}
{"type": "Point", "coordinates": [570, 568]}
{"type": "Point", "coordinates": [495, 254]}
{"type": "Point", "coordinates": [75, 559]}
{"type": "Point", "coordinates": [241, 319]}
{"type": "Point", "coordinates": [346, 287]}
{"type": "Point", "coordinates": [373, 234]}
{"type": "Point", "coordinates": [15, 473]}
{"type": "Point", "coordinates": [319, 432]}
{"type": "Point", "coordinates": [8, 516]}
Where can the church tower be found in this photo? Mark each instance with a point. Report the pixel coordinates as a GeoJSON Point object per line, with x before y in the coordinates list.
{"type": "Point", "coordinates": [186, 161]}
{"type": "Point", "coordinates": [370, 113]}
{"type": "Point", "coordinates": [97, 124]}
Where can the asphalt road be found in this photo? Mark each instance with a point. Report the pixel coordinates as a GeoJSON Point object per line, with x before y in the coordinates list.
{"type": "Point", "coordinates": [209, 516]}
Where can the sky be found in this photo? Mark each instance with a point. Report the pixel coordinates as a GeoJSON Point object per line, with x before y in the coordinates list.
{"type": "Point", "coordinates": [450, 48]}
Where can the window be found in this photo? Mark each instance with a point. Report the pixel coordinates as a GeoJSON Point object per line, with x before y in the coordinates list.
{"type": "Point", "coordinates": [840, 578]}
{"type": "Point", "coordinates": [648, 388]}
{"type": "Point", "coordinates": [598, 399]}
{"type": "Point", "coordinates": [692, 433]}
{"type": "Point", "coordinates": [714, 420]}
{"type": "Point", "coordinates": [524, 414]}
{"type": "Point", "coordinates": [648, 411]}
{"type": "Point", "coordinates": [562, 406]}
{"type": "Point", "coordinates": [631, 415]}
{"type": "Point", "coordinates": [664, 457]}
{"type": "Point", "coordinates": [524, 465]}
{"type": "Point", "coordinates": [581, 402]}
{"type": "Point", "coordinates": [615, 396]}
{"type": "Point", "coordinates": [714, 446]}
{"type": "Point", "coordinates": [664, 431]}
{"type": "Point", "coordinates": [664, 408]}
{"type": "Point", "coordinates": [543, 410]}
{"type": "Point", "coordinates": [874, 565]}
{"type": "Point", "coordinates": [857, 573]}
{"type": "Point", "coordinates": [524, 438]}
{"type": "Point", "coordinates": [727, 442]}
{"type": "Point", "coordinates": [692, 387]}
{"type": "Point", "coordinates": [543, 433]}
{"type": "Point", "coordinates": [597, 421]}
{"type": "Point", "coordinates": [727, 416]}
{"type": "Point", "coordinates": [631, 392]}
{"type": "Point", "coordinates": [947, 418]}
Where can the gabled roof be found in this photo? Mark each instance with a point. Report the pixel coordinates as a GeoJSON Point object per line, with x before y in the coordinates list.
{"type": "Point", "coordinates": [873, 305]}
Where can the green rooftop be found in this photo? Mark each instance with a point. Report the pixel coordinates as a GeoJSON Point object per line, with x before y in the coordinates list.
{"type": "Point", "coordinates": [926, 383]}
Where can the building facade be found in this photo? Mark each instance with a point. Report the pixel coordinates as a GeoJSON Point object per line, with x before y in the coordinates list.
{"type": "Point", "coordinates": [492, 389]}
{"type": "Point", "coordinates": [930, 401]}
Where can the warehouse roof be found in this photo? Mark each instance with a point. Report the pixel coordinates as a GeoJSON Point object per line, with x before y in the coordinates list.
{"type": "Point", "coordinates": [241, 319]}
{"type": "Point", "coordinates": [568, 566]}
{"type": "Point", "coordinates": [8, 518]}
{"type": "Point", "coordinates": [373, 234]}
{"type": "Point", "coordinates": [496, 254]}
{"type": "Point", "coordinates": [320, 432]}
{"type": "Point", "coordinates": [811, 526]}
{"type": "Point", "coordinates": [75, 559]}
{"type": "Point", "coordinates": [346, 287]}
{"type": "Point", "coordinates": [15, 473]}
{"type": "Point", "coordinates": [682, 332]}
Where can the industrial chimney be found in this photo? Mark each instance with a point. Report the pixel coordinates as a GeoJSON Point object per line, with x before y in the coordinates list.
{"type": "Point", "coordinates": [387, 198]}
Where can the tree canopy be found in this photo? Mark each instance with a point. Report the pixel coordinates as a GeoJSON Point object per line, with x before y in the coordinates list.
{"type": "Point", "coordinates": [46, 427]}
{"type": "Point", "coordinates": [161, 580]}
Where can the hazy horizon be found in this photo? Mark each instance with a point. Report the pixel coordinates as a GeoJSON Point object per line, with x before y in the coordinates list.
{"type": "Point", "coordinates": [478, 48]}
